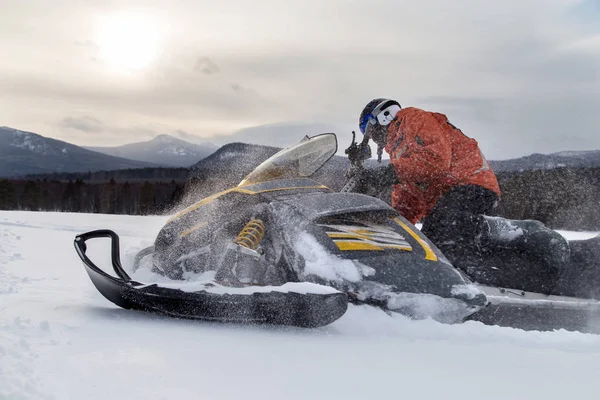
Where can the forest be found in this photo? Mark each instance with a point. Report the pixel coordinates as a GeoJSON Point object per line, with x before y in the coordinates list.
{"type": "Point", "coordinates": [562, 198]}
{"type": "Point", "coordinates": [134, 198]}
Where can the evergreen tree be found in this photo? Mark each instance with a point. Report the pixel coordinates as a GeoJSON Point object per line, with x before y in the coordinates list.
{"type": "Point", "coordinates": [31, 196]}
{"type": "Point", "coordinates": [7, 195]}
{"type": "Point", "coordinates": [147, 198]}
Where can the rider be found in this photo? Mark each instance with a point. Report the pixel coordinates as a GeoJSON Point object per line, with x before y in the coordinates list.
{"type": "Point", "coordinates": [440, 175]}
{"type": "Point", "coordinates": [441, 178]}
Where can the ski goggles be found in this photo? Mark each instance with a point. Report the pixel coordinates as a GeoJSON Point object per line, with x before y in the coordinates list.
{"type": "Point", "coordinates": [382, 114]}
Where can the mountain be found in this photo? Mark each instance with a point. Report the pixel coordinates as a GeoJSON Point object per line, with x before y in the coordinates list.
{"type": "Point", "coordinates": [163, 150]}
{"type": "Point", "coordinates": [23, 153]}
{"type": "Point", "coordinates": [227, 166]}
{"type": "Point", "coordinates": [571, 159]}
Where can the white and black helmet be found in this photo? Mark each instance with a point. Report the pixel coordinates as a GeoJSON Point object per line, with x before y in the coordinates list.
{"type": "Point", "coordinates": [378, 112]}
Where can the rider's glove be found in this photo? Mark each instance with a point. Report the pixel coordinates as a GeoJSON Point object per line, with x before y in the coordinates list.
{"type": "Point", "coordinates": [358, 152]}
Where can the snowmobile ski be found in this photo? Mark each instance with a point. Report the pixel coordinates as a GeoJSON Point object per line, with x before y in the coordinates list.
{"type": "Point", "coordinates": [271, 307]}
{"type": "Point", "coordinates": [535, 311]}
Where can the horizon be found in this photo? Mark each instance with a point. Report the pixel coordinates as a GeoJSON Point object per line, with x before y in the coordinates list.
{"type": "Point", "coordinates": [340, 151]}
{"type": "Point", "coordinates": [519, 76]}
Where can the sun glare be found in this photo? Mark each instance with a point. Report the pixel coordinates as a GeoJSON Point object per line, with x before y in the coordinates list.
{"type": "Point", "coordinates": [128, 41]}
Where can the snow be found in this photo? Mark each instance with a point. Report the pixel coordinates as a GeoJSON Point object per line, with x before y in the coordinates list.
{"type": "Point", "coordinates": [583, 235]}
{"type": "Point", "coordinates": [205, 282]}
{"type": "Point", "coordinates": [176, 151]}
{"type": "Point", "coordinates": [320, 263]}
{"type": "Point", "coordinates": [505, 230]}
{"type": "Point", "coordinates": [231, 154]}
{"type": "Point", "coordinates": [60, 339]}
{"type": "Point", "coordinates": [26, 141]}
{"type": "Point", "coordinates": [470, 291]}
{"type": "Point", "coordinates": [31, 142]}
{"type": "Point", "coordinates": [570, 153]}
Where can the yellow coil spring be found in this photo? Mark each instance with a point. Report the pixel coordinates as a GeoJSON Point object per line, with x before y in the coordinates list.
{"type": "Point", "coordinates": [251, 235]}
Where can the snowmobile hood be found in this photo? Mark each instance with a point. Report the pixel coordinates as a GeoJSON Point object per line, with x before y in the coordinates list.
{"type": "Point", "coordinates": [316, 205]}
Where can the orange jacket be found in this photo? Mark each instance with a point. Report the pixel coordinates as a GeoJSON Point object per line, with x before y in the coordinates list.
{"type": "Point", "coordinates": [430, 156]}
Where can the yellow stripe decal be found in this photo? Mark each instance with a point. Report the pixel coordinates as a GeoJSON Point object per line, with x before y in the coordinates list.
{"type": "Point", "coordinates": [200, 204]}
{"type": "Point", "coordinates": [193, 229]}
{"type": "Point", "coordinates": [355, 245]}
{"type": "Point", "coordinates": [236, 189]}
{"type": "Point", "coordinates": [429, 254]}
{"type": "Point", "coordinates": [335, 235]}
{"type": "Point", "coordinates": [398, 247]}
{"type": "Point", "coordinates": [287, 188]}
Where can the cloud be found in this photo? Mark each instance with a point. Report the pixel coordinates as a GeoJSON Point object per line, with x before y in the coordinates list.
{"type": "Point", "coordinates": [206, 66]}
{"type": "Point", "coordinates": [85, 43]}
{"type": "Point", "coordinates": [94, 127]}
{"type": "Point", "coordinates": [85, 124]}
{"type": "Point", "coordinates": [589, 44]}
{"type": "Point", "coordinates": [190, 137]}
{"type": "Point", "coordinates": [520, 76]}
{"type": "Point", "coordinates": [281, 134]}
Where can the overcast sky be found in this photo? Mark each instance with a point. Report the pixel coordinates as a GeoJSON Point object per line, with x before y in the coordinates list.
{"type": "Point", "coordinates": [520, 76]}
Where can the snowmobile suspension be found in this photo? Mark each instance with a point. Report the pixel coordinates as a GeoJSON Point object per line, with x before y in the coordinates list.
{"type": "Point", "coordinates": [251, 235]}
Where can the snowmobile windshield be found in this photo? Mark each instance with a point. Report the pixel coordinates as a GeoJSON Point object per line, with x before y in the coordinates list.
{"type": "Point", "coordinates": [298, 161]}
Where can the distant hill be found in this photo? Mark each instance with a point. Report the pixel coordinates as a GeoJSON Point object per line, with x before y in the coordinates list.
{"type": "Point", "coordinates": [569, 159]}
{"type": "Point", "coordinates": [23, 153]}
{"type": "Point", "coordinates": [227, 166]}
{"type": "Point", "coordinates": [545, 190]}
{"type": "Point", "coordinates": [164, 150]}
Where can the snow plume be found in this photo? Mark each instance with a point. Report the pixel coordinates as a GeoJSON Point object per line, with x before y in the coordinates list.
{"type": "Point", "coordinates": [424, 306]}
{"type": "Point", "coordinates": [504, 230]}
{"type": "Point", "coordinates": [205, 282]}
{"type": "Point", "coordinates": [468, 291]}
{"type": "Point", "coordinates": [321, 263]}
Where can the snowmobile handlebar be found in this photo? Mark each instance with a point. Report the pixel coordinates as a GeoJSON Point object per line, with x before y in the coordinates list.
{"type": "Point", "coordinates": [81, 247]}
{"type": "Point", "coordinates": [357, 153]}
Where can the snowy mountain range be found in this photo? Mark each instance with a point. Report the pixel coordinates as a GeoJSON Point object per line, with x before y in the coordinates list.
{"type": "Point", "coordinates": [571, 159]}
{"type": "Point", "coordinates": [23, 153]}
{"type": "Point", "coordinates": [163, 150]}
{"type": "Point", "coordinates": [26, 153]}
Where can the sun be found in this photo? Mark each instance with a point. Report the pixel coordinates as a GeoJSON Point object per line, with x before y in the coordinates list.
{"type": "Point", "coordinates": [128, 41]}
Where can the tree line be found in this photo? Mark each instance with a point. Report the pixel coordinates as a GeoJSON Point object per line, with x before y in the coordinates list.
{"type": "Point", "coordinates": [562, 198]}
{"type": "Point", "coordinates": [112, 197]}
{"type": "Point", "coordinates": [122, 175]}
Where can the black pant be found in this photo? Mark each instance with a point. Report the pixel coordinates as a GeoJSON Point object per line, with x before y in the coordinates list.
{"type": "Point", "coordinates": [457, 217]}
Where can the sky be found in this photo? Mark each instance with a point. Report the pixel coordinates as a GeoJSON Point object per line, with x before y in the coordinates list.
{"type": "Point", "coordinates": [519, 76]}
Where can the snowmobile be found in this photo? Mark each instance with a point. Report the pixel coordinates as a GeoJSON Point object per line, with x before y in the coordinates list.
{"type": "Point", "coordinates": [282, 248]}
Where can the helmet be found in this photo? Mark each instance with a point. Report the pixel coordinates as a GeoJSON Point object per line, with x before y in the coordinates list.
{"type": "Point", "coordinates": [375, 117]}
{"type": "Point", "coordinates": [378, 112]}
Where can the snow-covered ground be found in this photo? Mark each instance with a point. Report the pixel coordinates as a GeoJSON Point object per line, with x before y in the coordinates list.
{"type": "Point", "coordinates": [60, 339]}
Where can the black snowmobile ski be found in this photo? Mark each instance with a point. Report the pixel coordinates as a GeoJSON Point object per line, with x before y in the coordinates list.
{"type": "Point", "coordinates": [282, 308]}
